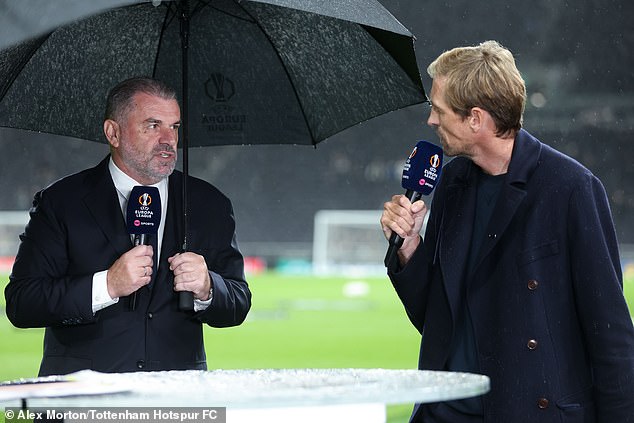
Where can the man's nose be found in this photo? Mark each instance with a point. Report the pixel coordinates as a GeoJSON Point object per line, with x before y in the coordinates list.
{"type": "Point", "coordinates": [432, 120]}
{"type": "Point", "coordinates": [169, 136]}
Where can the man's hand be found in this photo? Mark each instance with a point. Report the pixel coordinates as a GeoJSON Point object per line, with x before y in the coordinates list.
{"type": "Point", "coordinates": [191, 274]}
{"type": "Point", "coordinates": [406, 219]}
{"type": "Point", "coordinates": [130, 272]}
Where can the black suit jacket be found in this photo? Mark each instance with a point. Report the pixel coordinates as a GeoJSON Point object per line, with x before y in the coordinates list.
{"type": "Point", "coordinates": [76, 229]}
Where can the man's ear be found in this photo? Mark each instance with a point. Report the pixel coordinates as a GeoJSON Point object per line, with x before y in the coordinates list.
{"type": "Point", "coordinates": [476, 119]}
{"type": "Point", "coordinates": [112, 131]}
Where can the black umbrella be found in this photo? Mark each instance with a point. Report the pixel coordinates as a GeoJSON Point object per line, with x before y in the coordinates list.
{"type": "Point", "coordinates": [260, 71]}
{"type": "Point", "coordinates": [250, 71]}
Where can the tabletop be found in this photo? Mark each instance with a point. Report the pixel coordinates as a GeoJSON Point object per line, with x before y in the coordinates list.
{"type": "Point", "coordinates": [242, 388]}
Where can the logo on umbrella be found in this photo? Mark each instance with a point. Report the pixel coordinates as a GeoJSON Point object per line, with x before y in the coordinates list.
{"type": "Point", "coordinates": [219, 88]}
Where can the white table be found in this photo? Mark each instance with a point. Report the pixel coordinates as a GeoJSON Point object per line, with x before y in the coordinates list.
{"type": "Point", "coordinates": [280, 395]}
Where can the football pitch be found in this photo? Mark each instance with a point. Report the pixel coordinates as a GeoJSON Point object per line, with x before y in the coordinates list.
{"type": "Point", "coordinates": [296, 321]}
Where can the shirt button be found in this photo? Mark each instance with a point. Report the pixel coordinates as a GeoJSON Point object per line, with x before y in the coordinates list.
{"type": "Point", "coordinates": [532, 284]}
{"type": "Point", "coordinates": [532, 344]}
{"type": "Point", "coordinates": [542, 403]}
{"type": "Point", "coordinates": [140, 364]}
{"type": "Point", "coordinates": [150, 315]}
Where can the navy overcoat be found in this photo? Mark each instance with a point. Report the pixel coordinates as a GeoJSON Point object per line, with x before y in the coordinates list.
{"type": "Point", "coordinates": [551, 326]}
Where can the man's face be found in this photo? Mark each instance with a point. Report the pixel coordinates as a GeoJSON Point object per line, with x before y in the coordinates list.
{"type": "Point", "coordinates": [148, 136]}
{"type": "Point", "coordinates": [452, 129]}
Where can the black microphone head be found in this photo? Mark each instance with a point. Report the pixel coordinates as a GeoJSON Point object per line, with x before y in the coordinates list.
{"type": "Point", "coordinates": [422, 169]}
{"type": "Point", "coordinates": [144, 210]}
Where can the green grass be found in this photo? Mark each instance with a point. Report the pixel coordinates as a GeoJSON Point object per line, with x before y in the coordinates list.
{"type": "Point", "coordinates": [295, 322]}
{"type": "Point", "coordinates": [303, 321]}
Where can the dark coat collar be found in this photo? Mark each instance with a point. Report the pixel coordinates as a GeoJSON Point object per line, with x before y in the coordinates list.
{"type": "Point", "coordinates": [524, 159]}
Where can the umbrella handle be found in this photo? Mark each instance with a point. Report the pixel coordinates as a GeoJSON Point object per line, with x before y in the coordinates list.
{"type": "Point", "coordinates": [185, 298]}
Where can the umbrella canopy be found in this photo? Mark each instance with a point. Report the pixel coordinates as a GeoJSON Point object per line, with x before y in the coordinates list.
{"type": "Point", "coordinates": [21, 20]}
{"type": "Point", "coordinates": [258, 71]}
{"type": "Point", "coordinates": [249, 72]}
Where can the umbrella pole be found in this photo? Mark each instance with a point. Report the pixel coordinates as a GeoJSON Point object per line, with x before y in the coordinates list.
{"type": "Point", "coordinates": [186, 298]}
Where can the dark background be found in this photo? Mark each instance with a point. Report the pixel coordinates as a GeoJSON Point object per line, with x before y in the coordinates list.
{"type": "Point", "coordinates": [575, 57]}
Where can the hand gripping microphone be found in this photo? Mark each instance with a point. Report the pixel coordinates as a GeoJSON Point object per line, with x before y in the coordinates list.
{"type": "Point", "coordinates": [421, 173]}
{"type": "Point", "coordinates": [143, 217]}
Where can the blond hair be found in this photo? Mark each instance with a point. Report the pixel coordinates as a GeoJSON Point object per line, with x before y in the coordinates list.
{"type": "Point", "coordinates": [483, 76]}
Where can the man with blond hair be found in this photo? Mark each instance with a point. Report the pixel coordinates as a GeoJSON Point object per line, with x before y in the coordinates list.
{"type": "Point", "coordinates": [518, 276]}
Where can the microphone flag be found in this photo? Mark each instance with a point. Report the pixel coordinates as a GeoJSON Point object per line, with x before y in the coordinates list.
{"type": "Point", "coordinates": [421, 171]}
{"type": "Point", "coordinates": [421, 174]}
{"type": "Point", "coordinates": [143, 217]}
{"type": "Point", "coordinates": [143, 214]}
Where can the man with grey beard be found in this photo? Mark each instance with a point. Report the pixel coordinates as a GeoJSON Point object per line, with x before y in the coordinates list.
{"type": "Point", "coordinates": [77, 270]}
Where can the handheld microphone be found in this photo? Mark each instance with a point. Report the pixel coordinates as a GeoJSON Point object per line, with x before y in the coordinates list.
{"type": "Point", "coordinates": [143, 217]}
{"type": "Point", "coordinates": [185, 301]}
{"type": "Point", "coordinates": [421, 173]}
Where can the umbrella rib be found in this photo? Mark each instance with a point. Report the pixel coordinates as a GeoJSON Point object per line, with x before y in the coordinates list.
{"type": "Point", "coordinates": [15, 70]}
{"type": "Point", "coordinates": [166, 22]}
{"type": "Point", "coordinates": [207, 3]}
{"type": "Point", "coordinates": [387, 38]}
{"type": "Point", "coordinates": [299, 100]}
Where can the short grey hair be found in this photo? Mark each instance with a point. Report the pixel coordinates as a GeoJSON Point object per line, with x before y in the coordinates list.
{"type": "Point", "coordinates": [119, 102]}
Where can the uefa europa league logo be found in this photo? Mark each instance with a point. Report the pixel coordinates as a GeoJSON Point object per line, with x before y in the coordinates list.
{"type": "Point", "coordinates": [219, 88]}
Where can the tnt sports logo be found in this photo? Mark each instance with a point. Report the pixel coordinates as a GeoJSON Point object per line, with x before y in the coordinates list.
{"type": "Point", "coordinates": [434, 161]}
{"type": "Point", "coordinates": [145, 199]}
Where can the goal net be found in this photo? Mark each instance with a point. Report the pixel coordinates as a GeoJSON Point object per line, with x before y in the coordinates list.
{"type": "Point", "coordinates": [348, 242]}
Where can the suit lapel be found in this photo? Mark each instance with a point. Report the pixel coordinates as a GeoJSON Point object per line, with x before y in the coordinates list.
{"type": "Point", "coordinates": [103, 204]}
{"type": "Point", "coordinates": [524, 160]}
{"type": "Point", "coordinates": [171, 235]}
{"type": "Point", "coordinates": [507, 205]}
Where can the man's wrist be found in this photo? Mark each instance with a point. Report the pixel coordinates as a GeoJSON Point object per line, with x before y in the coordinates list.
{"type": "Point", "coordinates": [200, 305]}
{"type": "Point", "coordinates": [408, 249]}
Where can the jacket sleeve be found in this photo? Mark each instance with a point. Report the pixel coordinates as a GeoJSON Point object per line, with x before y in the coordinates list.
{"type": "Point", "coordinates": [604, 315]}
{"type": "Point", "coordinates": [412, 281]}
{"type": "Point", "coordinates": [231, 299]}
{"type": "Point", "coordinates": [410, 286]}
{"type": "Point", "coordinates": [40, 292]}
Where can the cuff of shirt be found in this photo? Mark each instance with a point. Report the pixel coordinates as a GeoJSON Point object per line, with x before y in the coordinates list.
{"type": "Point", "coordinates": [100, 297]}
{"type": "Point", "coordinates": [202, 305]}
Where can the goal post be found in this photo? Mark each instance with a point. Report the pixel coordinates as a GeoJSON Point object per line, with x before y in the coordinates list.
{"type": "Point", "coordinates": [348, 242]}
{"type": "Point", "coordinates": [12, 224]}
